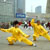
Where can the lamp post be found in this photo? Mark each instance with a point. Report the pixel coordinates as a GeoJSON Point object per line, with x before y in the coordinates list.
{"type": "Point", "coordinates": [31, 8]}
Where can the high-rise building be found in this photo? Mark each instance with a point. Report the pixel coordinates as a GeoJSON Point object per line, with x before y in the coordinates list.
{"type": "Point", "coordinates": [9, 8]}
{"type": "Point", "coordinates": [38, 9]}
{"type": "Point", "coordinates": [48, 6]}
{"type": "Point", "coordinates": [21, 6]}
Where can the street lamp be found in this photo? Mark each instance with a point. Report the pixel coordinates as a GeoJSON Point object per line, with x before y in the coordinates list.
{"type": "Point", "coordinates": [31, 8]}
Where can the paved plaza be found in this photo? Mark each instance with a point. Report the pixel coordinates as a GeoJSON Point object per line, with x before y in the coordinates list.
{"type": "Point", "coordinates": [42, 43]}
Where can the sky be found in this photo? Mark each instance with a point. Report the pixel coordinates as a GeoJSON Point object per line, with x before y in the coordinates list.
{"type": "Point", "coordinates": [32, 4]}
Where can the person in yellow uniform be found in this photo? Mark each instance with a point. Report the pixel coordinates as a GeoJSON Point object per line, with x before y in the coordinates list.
{"type": "Point", "coordinates": [17, 34]}
{"type": "Point", "coordinates": [39, 30]}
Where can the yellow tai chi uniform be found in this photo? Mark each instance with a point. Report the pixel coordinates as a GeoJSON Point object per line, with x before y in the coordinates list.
{"type": "Point", "coordinates": [17, 34]}
{"type": "Point", "coordinates": [39, 31]}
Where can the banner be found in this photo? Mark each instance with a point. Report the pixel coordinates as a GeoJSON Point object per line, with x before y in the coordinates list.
{"type": "Point", "coordinates": [20, 15]}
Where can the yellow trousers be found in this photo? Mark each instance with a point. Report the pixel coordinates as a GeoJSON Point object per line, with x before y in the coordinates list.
{"type": "Point", "coordinates": [46, 36]}
{"type": "Point", "coordinates": [25, 40]}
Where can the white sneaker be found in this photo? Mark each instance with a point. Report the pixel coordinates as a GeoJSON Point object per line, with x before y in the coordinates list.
{"type": "Point", "coordinates": [34, 45]}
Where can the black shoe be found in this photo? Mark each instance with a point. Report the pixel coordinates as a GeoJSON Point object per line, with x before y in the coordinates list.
{"type": "Point", "coordinates": [10, 44]}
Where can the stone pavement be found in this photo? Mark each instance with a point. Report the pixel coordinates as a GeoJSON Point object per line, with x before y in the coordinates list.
{"type": "Point", "coordinates": [42, 43]}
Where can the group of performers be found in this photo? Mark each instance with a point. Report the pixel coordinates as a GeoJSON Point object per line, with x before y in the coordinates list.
{"type": "Point", "coordinates": [19, 35]}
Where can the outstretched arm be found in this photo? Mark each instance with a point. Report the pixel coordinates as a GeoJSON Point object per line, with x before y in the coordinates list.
{"type": "Point", "coordinates": [5, 30]}
{"type": "Point", "coordinates": [32, 22]}
{"type": "Point", "coordinates": [43, 29]}
{"type": "Point", "coordinates": [25, 35]}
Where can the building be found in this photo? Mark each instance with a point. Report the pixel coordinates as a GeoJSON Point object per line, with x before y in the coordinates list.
{"type": "Point", "coordinates": [41, 17]}
{"type": "Point", "coordinates": [21, 6]}
{"type": "Point", "coordinates": [9, 8]}
{"type": "Point", "coordinates": [48, 6]}
{"type": "Point", "coordinates": [38, 9]}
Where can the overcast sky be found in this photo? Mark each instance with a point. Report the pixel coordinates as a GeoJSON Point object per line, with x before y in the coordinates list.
{"type": "Point", "coordinates": [32, 4]}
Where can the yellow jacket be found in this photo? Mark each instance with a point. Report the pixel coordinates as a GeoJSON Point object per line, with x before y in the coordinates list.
{"type": "Point", "coordinates": [38, 29]}
{"type": "Point", "coordinates": [16, 33]}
